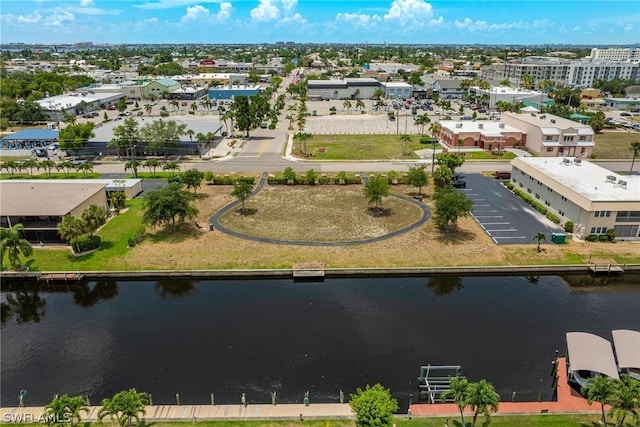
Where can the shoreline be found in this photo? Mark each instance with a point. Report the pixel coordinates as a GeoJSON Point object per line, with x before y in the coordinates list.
{"type": "Point", "coordinates": [319, 274]}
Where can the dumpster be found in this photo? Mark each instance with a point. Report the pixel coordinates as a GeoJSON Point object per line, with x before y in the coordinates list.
{"type": "Point", "coordinates": [558, 237]}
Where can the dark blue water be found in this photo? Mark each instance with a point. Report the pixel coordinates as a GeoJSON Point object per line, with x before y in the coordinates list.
{"type": "Point", "coordinates": [259, 336]}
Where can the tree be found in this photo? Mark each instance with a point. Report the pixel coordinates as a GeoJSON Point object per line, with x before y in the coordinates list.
{"type": "Point", "coordinates": [74, 137]}
{"type": "Point", "coordinates": [121, 105]}
{"type": "Point", "coordinates": [458, 392]}
{"type": "Point", "coordinates": [303, 137]}
{"type": "Point", "coordinates": [347, 105]}
{"type": "Point", "coordinates": [161, 135]}
{"type": "Point", "coordinates": [405, 140]}
{"type": "Point", "coordinates": [539, 236]}
{"type": "Point", "coordinates": [85, 168]}
{"type": "Point", "coordinates": [373, 406]}
{"type": "Point", "coordinates": [47, 164]}
{"type": "Point", "coordinates": [71, 227]}
{"type": "Point", "coordinates": [422, 121]}
{"type": "Point", "coordinates": [449, 160]}
{"type": "Point", "coordinates": [152, 165]}
{"type": "Point", "coordinates": [171, 166]}
{"type": "Point", "coordinates": [241, 191]}
{"type": "Point", "coordinates": [12, 244]}
{"type": "Point", "coordinates": [94, 217]}
{"type": "Point", "coordinates": [192, 178]}
{"type": "Point", "coordinates": [625, 400]}
{"type": "Point", "coordinates": [65, 166]}
{"type": "Point", "coordinates": [451, 205]}
{"type": "Point", "coordinates": [635, 147]}
{"type": "Point", "coordinates": [124, 406]}
{"type": "Point", "coordinates": [360, 105]}
{"type": "Point", "coordinates": [148, 108]}
{"type": "Point", "coordinates": [29, 164]}
{"type": "Point", "coordinates": [133, 166]}
{"type": "Point", "coordinates": [65, 408]}
{"type": "Point", "coordinates": [125, 137]}
{"type": "Point", "coordinates": [168, 205]}
{"type": "Point", "coordinates": [482, 398]}
{"type": "Point", "coordinates": [442, 176]}
{"type": "Point", "coordinates": [375, 188]}
{"type": "Point", "coordinates": [175, 104]}
{"type": "Point", "coordinates": [417, 176]}
{"type": "Point", "coordinates": [600, 389]}
{"type": "Point", "coordinates": [249, 112]}
{"type": "Point", "coordinates": [11, 166]}
{"type": "Point", "coordinates": [194, 107]}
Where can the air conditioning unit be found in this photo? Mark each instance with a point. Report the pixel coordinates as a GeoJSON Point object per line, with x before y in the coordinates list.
{"type": "Point", "coordinates": [611, 178]}
{"type": "Point", "coordinates": [622, 184]}
{"type": "Point", "coordinates": [566, 161]}
{"type": "Point", "coordinates": [501, 125]}
{"type": "Point", "coordinates": [577, 161]}
{"type": "Point", "coordinates": [553, 120]}
{"type": "Point", "coordinates": [458, 125]}
{"type": "Point", "coordinates": [480, 126]}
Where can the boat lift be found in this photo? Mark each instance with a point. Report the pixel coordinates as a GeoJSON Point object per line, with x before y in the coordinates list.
{"type": "Point", "coordinates": [435, 380]}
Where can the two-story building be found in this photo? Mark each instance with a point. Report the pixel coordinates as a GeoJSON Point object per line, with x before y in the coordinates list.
{"type": "Point", "coordinates": [488, 135]}
{"type": "Point", "coordinates": [552, 136]}
{"type": "Point", "coordinates": [594, 198]}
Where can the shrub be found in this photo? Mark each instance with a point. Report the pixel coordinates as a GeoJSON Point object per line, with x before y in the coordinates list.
{"type": "Point", "coordinates": [208, 176]}
{"type": "Point", "coordinates": [276, 180]}
{"type": "Point", "coordinates": [223, 180]}
{"type": "Point", "coordinates": [611, 234]}
{"type": "Point", "coordinates": [508, 184]}
{"type": "Point", "coordinates": [289, 174]}
{"type": "Point", "coordinates": [310, 177]}
{"type": "Point", "coordinates": [393, 177]}
{"type": "Point", "coordinates": [325, 180]}
{"type": "Point", "coordinates": [553, 218]}
{"type": "Point", "coordinates": [603, 238]}
{"type": "Point", "coordinates": [272, 126]}
{"type": "Point", "coordinates": [591, 238]}
{"type": "Point", "coordinates": [85, 242]}
{"type": "Point", "coordinates": [568, 227]}
{"type": "Point", "coordinates": [247, 179]}
{"type": "Point", "coordinates": [137, 238]}
{"type": "Point", "coordinates": [164, 114]}
{"type": "Point", "coordinates": [342, 177]}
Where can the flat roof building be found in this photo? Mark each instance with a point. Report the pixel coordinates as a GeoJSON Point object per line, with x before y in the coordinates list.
{"type": "Point", "coordinates": [594, 198]}
{"type": "Point", "coordinates": [488, 135]}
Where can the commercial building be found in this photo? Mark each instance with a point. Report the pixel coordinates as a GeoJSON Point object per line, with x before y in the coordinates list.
{"type": "Point", "coordinates": [552, 136]}
{"type": "Point", "coordinates": [29, 139]}
{"type": "Point", "coordinates": [157, 89]}
{"type": "Point", "coordinates": [55, 107]}
{"type": "Point", "coordinates": [349, 88]}
{"type": "Point", "coordinates": [594, 198]}
{"type": "Point", "coordinates": [228, 93]}
{"type": "Point", "coordinates": [396, 90]}
{"type": "Point", "coordinates": [488, 135]}
{"type": "Point", "coordinates": [615, 54]}
{"type": "Point", "coordinates": [189, 93]}
{"type": "Point", "coordinates": [511, 95]}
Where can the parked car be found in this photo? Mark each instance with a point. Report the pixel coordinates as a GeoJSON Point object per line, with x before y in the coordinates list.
{"type": "Point", "coordinates": [264, 125]}
{"type": "Point", "coordinates": [139, 113]}
{"type": "Point", "coordinates": [111, 107]}
{"type": "Point", "coordinates": [184, 103]}
{"type": "Point", "coordinates": [502, 175]}
{"type": "Point", "coordinates": [625, 114]}
{"type": "Point", "coordinates": [458, 183]}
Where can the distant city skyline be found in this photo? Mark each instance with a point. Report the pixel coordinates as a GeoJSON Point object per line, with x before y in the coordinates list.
{"type": "Point", "coordinates": [585, 22]}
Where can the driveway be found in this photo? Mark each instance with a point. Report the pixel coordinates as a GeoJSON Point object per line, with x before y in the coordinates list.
{"type": "Point", "coordinates": [502, 215]}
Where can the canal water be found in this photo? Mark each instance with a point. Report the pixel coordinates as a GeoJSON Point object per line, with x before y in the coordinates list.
{"type": "Point", "coordinates": [257, 336]}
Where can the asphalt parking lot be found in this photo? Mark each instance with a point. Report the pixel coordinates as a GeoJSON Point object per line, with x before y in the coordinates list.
{"type": "Point", "coordinates": [503, 216]}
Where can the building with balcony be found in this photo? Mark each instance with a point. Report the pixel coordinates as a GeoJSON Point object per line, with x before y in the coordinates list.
{"type": "Point", "coordinates": [488, 135]}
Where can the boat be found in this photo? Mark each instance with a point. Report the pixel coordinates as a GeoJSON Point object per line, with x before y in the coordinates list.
{"type": "Point", "coordinates": [627, 346]}
{"type": "Point", "coordinates": [588, 356]}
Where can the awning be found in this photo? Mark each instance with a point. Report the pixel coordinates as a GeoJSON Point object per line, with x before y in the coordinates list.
{"type": "Point", "coordinates": [588, 352]}
{"type": "Point", "coordinates": [627, 344]}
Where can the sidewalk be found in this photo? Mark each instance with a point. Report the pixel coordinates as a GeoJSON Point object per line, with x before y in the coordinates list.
{"type": "Point", "coordinates": [205, 412]}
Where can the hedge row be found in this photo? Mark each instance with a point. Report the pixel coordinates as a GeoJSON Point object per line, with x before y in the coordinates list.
{"type": "Point", "coordinates": [537, 206]}
{"type": "Point", "coordinates": [86, 242]}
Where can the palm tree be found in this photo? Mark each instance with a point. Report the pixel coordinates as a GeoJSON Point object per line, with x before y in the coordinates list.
{"type": "Point", "coordinates": [85, 167]}
{"type": "Point", "coordinates": [635, 146]}
{"type": "Point", "coordinates": [13, 245]}
{"type": "Point", "coordinates": [47, 164]}
{"type": "Point", "coordinates": [347, 105]}
{"type": "Point", "coordinates": [600, 389]}
{"type": "Point", "coordinates": [94, 217]}
{"type": "Point", "coordinates": [405, 141]}
{"type": "Point", "coordinates": [175, 104]}
{"type": "Point", "coordinates": [125, 406]}
{"type": "Point", "coordinates": [460, 143]}
{"type": "Point", "coordinates": [65, 407]}
{"type": "Point", "coordinates": [71, 227]}
{"type": "Point", "coordinates": [422, 121]}
{"type": "Point", "coordinates": [148, 108]}
{"type": "Point", "coordinates": [194, 107]}
{"type": "Point", "coordinates": [132, 165]}
{"type": "Point", "coordinates": [482, 398]}
{"type": "Point", "coordinates": [11, 166]}
{"type": "Point", "coordinates": [171, 166]}
{"type": "Point", "coordinates": [207, 104]}
{"type": "Point", "coordinates": [152, 164]}
{"type": "Point", "coordinates": [65, 166]}
{"type": "Point", "coordinates": [625, 400]}
{"type": "Point", "coordinates": [29, 164]}
{"type": "Point", "coordinates": [360, 105]}
{"type": "Point", "coordinates": [190, 132]}
{"type": "Point", "coordinates": [457, 392]}
{"type": "Point", "coordinates": [539, 236]}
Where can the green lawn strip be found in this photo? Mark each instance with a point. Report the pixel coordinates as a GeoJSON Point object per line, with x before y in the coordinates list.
{"type": "Point", "coordinates": [484, 155]}
{"type": "Point", "coordinates": [358, 147]}
{"type": "Point", "coordinates": [614, 145]}
{"type": "Point", "coordinates": [54, 175]}
{"type": "Point", "coordinates": [542, 420]}
{"type": "Point", "coordinates": [114, 246]}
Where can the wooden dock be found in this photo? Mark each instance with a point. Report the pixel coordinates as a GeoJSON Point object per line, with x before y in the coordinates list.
{"type": "Point", "coordinates": [61, 277]}
{"type": "Point", "coordinates": [606, 269]}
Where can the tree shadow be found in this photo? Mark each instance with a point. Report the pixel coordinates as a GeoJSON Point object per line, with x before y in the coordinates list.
{"type": "Point", "coordinates": [84, 296]}
{"type": "Point", "coordinates": [454, 236]}
{"type": "Point", "coordinates": [174, 288]}
{"type": "Point", "coordinates": [200, 196]}
{"type": "Point", "coordinates": [444, 285]}
{"type": "Point", "coordinates": [183, 232]}
{"type": "Point", "coordinates": [246, 211]}
{"type": "Point", "coordinates": [379, 212]}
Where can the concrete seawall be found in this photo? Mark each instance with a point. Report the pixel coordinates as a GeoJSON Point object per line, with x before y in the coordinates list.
{"type": "Point", "coordinates": [328, 272]}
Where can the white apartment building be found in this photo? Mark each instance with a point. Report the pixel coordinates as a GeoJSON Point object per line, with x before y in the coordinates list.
{"type": "Point", "coordinates": [594, 198]}
{"type": "Point", "coordinates": [586, 73]}
{"type": "Point", "coordinates": [552, 136]}
{"type": "Point", "coordinates": [615, 54]}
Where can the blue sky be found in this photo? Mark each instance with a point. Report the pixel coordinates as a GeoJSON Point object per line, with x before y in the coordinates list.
{"type": "Point", "coordinates": [587, 22]}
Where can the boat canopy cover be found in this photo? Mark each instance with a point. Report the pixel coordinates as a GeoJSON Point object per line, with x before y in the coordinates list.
{"type": "Point", "coordinates": [627, 344]}
{"type": "Point", "coordinates": [588, 352]}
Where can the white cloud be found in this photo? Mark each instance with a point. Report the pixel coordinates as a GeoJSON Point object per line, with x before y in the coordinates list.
{"type": "Point", "coordinates": [265, 11]}
{"type": "Point", "coordinates": [409, 10]}
{"type": "Point", "coordinates": [289, 5]}
{"type": "Point", "coordinates": [33, 18]}
{"type": "Point", "coordinates": [360, 20]}
{"type": "Point", "coordinates": [93, 11]}
{"type": "Point", "coordinates": [86, 3]}
{"type": "Point", "coordinates": [195, 13]}
{"type": "Point", "coordinates": [58, 18]}
{"type": "Point", "coordinates": [296, 18]}
{"type": "Point", "coordinates": [225, 11]}
{"type": "Point", "coordinates": [168, 4]}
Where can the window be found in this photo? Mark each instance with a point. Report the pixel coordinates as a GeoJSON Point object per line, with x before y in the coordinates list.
{"type": "Point", "coordinates": [548, 138]}
{"type": "Point", "coordinates": [529, 190]}
{"type": "Point", "coordinates": [549, 149]}
{"type": "Point", "coordinates": [602, 214]}
{"type": "Point", "coordinates": [561, 213]}
{"type": "Point", "coordinates": [564, 199]}
{"type": "Point", "coordinates": [538, 196]}
{"type": "Point", "coordinates": [568, 139]}
{"type": "Point", "coordinates": [628, 216]}
{"type": "Point", "coordinates": [546, 203]}
{"type": "Point", "coordinates": [549, 190]}
{"type": "Point", "coordinates": [598, 230]}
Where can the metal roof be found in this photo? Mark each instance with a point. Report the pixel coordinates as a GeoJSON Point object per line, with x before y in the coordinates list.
{"type": "Point", "coordinates": [44, 198]}
{"type": "Point", "coordinates": [32, 134]}
{"type": "Point", "coordinates": [588, 352]}
{"type": "Point", "coordinates": [627, 345]}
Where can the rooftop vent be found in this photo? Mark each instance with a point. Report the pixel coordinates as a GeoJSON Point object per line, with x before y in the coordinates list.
{"type": "Point", "coordinates": [611, 178]}
{"type": "Point", "coordinates": [566, 161]}
{"type": "Point", "coordinates": [622, 184]}
{"type": "Point", "coordinates": [501, 125]}
{"type": "Point", "coordinates": [553, 120]}
{"type": "Point", "coordinates": [458, 125]}
{"type": "Point", "coordinates": [480, 126]}
{"type": "Point", "coordinates": [577, 161]}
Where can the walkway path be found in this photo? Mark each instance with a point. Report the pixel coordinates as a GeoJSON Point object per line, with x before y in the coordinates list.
{"type": "Point", "coordinates": [214, 222]}
{"type": "Point", "coordinates": [569, 401]}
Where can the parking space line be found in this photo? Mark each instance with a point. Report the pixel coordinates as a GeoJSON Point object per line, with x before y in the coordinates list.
{"type": "Point", "coordinates": [509, 237]}
{"type": "Point", "coordinates": [496, 223]}
{"type": "Point", "coordinates": [506, 230]}
{"type": "Point", "coordinates": [480, 206]}
{"type": "Point", "coordinates": [488, 216]}
{"type": "Point", "coordinates": [486, 211]}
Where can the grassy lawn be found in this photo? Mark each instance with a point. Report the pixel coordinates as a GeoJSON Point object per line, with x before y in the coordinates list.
{"type": "Point", "coordinates": [54, 175]}
{"type": "Point", "coordinates": [359, 147]}
{"type": "Point", "coordinates": [614, 145]}
{"type": "Point", "coordinates": [335, 214]}
{"type": "Point", "coordinates": [112, 254]}
{"type": "Point", "coordinates": [285, 212]}
{"type": "Point", "coordinates": [484, 155]}
{"type": "Point", "coordinates": [591, 420]}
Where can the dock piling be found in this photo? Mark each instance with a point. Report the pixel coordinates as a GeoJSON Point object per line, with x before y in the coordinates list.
{"type": "Point", "coordinates": [150, 399]}
{"type": "Point", "coordinates": [213, 402]}
{"type": "Point", "coordinates": [178, 399]}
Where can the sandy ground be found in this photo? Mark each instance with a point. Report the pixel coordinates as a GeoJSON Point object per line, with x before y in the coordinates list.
{"type": "Point", "coordinates": [425, 246]}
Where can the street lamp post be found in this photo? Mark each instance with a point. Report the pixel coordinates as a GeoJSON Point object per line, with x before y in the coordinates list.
{"type": "Point", "coordinates": [433, 155]}
{"type": "Point", "coordinates": [133, 161]}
